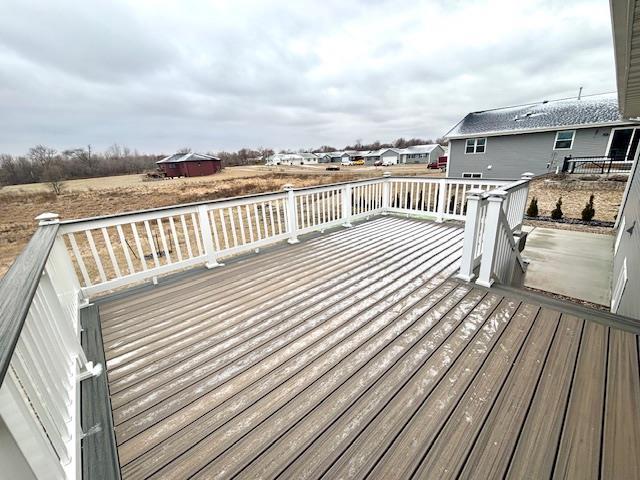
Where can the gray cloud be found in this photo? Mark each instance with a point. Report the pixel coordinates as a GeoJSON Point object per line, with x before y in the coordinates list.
{"type": "Point", "coordinates": [161, 75]}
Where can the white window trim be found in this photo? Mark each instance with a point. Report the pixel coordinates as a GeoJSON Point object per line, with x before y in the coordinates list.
{"type": "Point", "coordinates": [619, 236]}
{"type": "Point", "coordinates": [471, 173]}
{"type": "Point", "coordinates": [636, 131]}
{"type": "Point", "coordinates": [475, 146]}
{"type": "Point", "coordinates": [619, 288]}
{"type": "Point", "coordinates": [573, 137]}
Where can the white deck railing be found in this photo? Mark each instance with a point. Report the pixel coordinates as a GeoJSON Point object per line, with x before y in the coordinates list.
{"type": "Point", "coordinates": [41, 358]}
{"type": "Point", "coordinates": [494, 220]}
{"type": "Point", "coordinates": [115, 251]}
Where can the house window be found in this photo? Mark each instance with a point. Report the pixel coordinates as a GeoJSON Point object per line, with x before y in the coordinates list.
{"type": "Point", "coordinates": [564, 140]}
{"type": "Point", "coordinates": [471, 175]}
{"type": "Point", "coordinates": [475, 145]}
{"type": "Point", "coordinates": [619, 288]}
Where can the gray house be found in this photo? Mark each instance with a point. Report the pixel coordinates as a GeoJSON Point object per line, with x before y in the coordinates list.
{"type": "Point", "coordinates": [625, 290]}
{"type": "Point", "coordinates": [505, 142]}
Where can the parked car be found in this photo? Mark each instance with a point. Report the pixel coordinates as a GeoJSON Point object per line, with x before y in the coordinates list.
{"type": "Point", "coordinates": [357, 162]}
{"type": "Point", "coordinates": [441, 163]}
{"type": "Point", "coordinates": [333, 167]}
{"type": "Point", "coordinates": [378, 163]}
{"type": "Point", "coordinates": [346, 163]}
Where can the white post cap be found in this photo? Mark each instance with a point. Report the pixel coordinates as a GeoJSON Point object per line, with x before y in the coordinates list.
{"type": "Point", "coordinates": [288, 186]}
{"type": "Point", "coordinates": [386, 174]}
{"type": "Point", "coordinates": [476, 192]}
{"type": "Point", "coordinates": [47, 218]}
{"type": "Point", "coordinates": [527, 176]}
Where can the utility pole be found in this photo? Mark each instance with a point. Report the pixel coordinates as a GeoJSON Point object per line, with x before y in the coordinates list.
{"type": "Point", "coordinates": [580, 93]}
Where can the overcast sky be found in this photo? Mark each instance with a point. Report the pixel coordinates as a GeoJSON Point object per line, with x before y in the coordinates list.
{"type": "Point", "coordinates": [213, 75]}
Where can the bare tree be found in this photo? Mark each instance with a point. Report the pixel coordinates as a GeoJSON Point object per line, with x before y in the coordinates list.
{"type": "Point", "coordinates": [54, 176]}
{"type": "Point", "coordinates": [42, 155]}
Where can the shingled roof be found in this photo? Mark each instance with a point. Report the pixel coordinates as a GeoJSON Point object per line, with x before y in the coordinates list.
{"type": "Point", "coordinates": [546, 115]}
{"type": "Point", "coordinates": [187, 157]}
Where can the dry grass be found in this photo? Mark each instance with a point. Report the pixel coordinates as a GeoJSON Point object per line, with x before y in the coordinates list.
{"type": "Point", "coordinates": [19, 208]}
{"type": "Point", "coordinates": [575, 194]}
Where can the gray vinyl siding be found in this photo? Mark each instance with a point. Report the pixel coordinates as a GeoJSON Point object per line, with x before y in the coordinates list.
{"type": "Point", "coordinates": [511, 155]}
{"type": "Point", "coordinates": [629, 248]}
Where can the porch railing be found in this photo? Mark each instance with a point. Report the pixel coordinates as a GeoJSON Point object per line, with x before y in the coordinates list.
{"type": "Point", "coordinates": [597, 165]}
{"type": "Point", "coordinates": [493, 222]}
{"type": "Point", "coordinates": [41, 357]}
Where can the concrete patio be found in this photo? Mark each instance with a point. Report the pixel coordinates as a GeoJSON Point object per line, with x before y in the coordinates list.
{"type": "Point", "coordinates": [570, 263]}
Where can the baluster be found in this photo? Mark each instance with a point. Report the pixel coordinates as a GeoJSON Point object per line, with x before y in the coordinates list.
{"type": "Point", "coordinates": [196, 229]}
{"type": "Point", "coordinates": [136, 239]}
{"type": "Point", "coordinates": [241, 224]}
{"type": "Point", "coordinates": [223, 227]}
{"type": "Point", "coordinates": [264, 220]}
{"type": "Point", "coordinates": [125, 250]}
{"type": "Point", "coordinates": [279, 206]}
{"type": "Point", "coordinates": [257, 219]}
{"type": "Point", "coordinates": [233, 227]}
{"type": "Point", "coordinates": [163, 239]}
{"type": "Point", "coordinates": [152, 244]}
{"type": "Point", "coordinates": [271, 220]}
{"type": "Point", "coordinates": [174, 236]}
{"type": "Point", "coordinates": [440, 208]}
{"type": "Point", "coordinates": [96, 257]}
{"type": "Point", "coordinates": [214, 229]}
{"type": "Point", "coordinates": [112, 256]}
{"type": "Point", "coordinates": [249, 223]}
{"type": "Point", "coordinates": [79, 260]}
{"type": "Point", "coordinates": [185, 234]}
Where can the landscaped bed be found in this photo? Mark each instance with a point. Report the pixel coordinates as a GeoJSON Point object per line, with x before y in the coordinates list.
{"type": "Point", "coordinates": [575, 192]}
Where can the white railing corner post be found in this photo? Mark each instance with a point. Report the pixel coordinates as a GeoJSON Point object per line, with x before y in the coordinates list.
{"type": "Point", "coordinates": [442, 200]}
{"type": "Point", "coordinates": [292, 214]}
{"type": "Point", "coordinates": [471, 231]}
{"type": "Point", "coordinates": [490, 241]}
{"type": "Point", "coordinates": [527, 176]}
{"type": "Point", "coordinates": [207, 237]}
{"type": "Point", "coordinates": [346, 205]}
{"type": "Point", "coordinates": [386, 192]}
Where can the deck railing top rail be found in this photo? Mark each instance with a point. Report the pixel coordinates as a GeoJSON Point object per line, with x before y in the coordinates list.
{"type": "Point", "coordinates": [17, 289]}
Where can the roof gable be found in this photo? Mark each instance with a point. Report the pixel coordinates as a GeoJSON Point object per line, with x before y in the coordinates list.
{"type": "Point", "coordinates": [187, 157]}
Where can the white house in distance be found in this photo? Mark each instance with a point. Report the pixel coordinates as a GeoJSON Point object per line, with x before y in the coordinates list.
{"type": "Point", "coordinates": [389, 156]}
{"type": "Point", "coordinates": [292, 159]}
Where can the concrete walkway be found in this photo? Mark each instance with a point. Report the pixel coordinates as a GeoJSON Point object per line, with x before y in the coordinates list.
{"type": "Point", "coordinates": [575, 264]}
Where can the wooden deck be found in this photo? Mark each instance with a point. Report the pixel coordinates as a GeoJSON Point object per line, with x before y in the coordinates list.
{"type": "Point", "coordinates": [354, 354]}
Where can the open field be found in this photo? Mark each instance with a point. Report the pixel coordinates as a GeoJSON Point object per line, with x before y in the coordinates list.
{"type": "Point", "coordinates": [19, 205]}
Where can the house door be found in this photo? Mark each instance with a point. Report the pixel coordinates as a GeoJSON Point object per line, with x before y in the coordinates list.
{"type": "Point", "coordinates": [624, 143]}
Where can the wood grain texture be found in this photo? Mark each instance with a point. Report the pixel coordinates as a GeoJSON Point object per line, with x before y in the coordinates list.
{"type": "Point", "coordinates": [17, 289]}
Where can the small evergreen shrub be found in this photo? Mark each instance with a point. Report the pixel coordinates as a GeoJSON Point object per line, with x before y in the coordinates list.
{"type": "Point", "coordinates": [588, 212]}
{"type": "Point", "coordinates": [532, 211]}
{"type": "Point", "coordinates": [556, 213]}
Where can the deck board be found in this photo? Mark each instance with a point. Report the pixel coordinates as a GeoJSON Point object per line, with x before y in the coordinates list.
{"type": "Point", "coordinates": [354, 354]}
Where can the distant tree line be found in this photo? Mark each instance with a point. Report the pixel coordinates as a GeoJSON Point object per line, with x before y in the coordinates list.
{"type": "Point", "coordinates": [45, 164]}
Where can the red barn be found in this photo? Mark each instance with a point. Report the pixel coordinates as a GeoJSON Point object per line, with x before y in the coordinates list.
{"type": "Point", "coordinates": [189, 165]}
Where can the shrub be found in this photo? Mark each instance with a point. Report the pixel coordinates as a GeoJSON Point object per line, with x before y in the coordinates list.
{"type": "Point", "coordinates": [532, 211]}
{"type": "Point", "coordinates": [588, 212]}
{"type": "Point", "coordinates": [556, 213]}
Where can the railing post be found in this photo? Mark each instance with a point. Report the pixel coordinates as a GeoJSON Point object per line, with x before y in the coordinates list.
{"type": "Point", "coordinates": [442, 200]}
{"type": "Point", "coordinates": [471, 230]}
{"type": "Point", "coordinates": [386, 192]}
{"type": "Point", "coordinates": [346, 205]}
{"type": "Point", "coordinates": [207, 237]}
{"type": "Point", "coordinates": [490, 241]}
{"type": "Point", "coordinates": [292, 215]}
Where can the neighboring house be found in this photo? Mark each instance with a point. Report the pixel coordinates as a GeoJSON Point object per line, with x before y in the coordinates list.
{"type": "Point", "coordinates": [189, 165]}
{"type": "Point", "coordinates": [625, 291]}
{"type": "Point", "coordinates": [292, 159]}
{"type": "Point", "coordinates": [505, 142]}
{"type": "Point", "coordinates": [421, 153]}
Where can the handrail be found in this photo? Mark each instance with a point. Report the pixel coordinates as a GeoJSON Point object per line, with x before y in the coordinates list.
{"type": "Point", "coordinates": [17, 289]}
